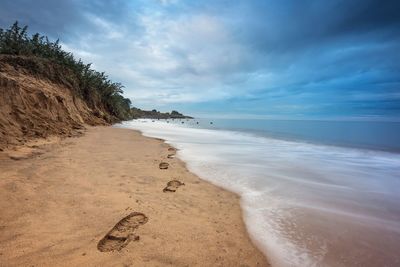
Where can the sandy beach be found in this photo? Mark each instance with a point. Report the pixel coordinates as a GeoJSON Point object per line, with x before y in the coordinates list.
{"type": "Point", "coordinates": [101, 199]}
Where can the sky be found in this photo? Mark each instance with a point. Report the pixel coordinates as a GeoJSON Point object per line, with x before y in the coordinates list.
{"type": "Point", "coordinates": [215, 58]}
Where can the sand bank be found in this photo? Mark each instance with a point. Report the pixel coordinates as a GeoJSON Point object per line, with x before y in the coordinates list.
{"type": "Point", "coordinates": [102, 200]}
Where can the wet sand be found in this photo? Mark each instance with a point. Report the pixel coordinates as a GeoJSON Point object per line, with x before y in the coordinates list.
{"type": "Point", "coordinates": [103, 199]}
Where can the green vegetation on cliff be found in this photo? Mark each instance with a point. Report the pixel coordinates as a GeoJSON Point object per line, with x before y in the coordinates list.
{"type": "Point", "coordinates": [94, 87]}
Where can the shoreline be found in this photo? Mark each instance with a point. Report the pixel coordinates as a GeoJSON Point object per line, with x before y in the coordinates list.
{"type": "Point", "coordinates": [304, 205]}
{"type": "Point", "coordinates": [59, 200]}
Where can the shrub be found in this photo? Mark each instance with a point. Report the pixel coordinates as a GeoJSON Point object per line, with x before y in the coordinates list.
{"type": "Point", "coordinates": [93, 86]}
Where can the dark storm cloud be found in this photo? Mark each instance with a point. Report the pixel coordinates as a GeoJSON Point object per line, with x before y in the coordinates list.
{"type": "Point", "coordinates": [55, 18]}
{"type": "Point", "coordinates": [64, 19]}
{"type": "Point", "coordinates": [295, 24]}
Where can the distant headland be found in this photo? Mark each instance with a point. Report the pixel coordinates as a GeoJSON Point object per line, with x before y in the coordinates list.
{"type": "Point", "coordinates": [155, 114]}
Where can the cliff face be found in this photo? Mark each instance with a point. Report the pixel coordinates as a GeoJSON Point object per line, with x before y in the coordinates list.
{"type": "Point", "coordinates": [36, 100]}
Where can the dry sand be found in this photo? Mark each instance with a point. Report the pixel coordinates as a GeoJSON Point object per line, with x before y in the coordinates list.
{"type": "Point", "coordinates": [63, 201]}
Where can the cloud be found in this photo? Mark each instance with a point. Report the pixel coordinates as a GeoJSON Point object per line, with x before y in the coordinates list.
{"type": "Point", "coordinates": [259, 57]}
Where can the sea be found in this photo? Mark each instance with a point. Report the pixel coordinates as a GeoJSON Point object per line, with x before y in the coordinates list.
{"type": "Point", "coordinates": [313, 193]}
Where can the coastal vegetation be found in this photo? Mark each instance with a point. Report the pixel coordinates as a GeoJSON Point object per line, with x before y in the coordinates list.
{"type": "Point", "coordinates": [94, 87]}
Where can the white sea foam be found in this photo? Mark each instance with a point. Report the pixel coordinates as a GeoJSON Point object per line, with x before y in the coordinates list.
{"type": "Point", "coordinates": [304, 204]}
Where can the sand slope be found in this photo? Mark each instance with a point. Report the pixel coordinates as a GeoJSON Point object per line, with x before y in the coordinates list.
{"type": "Point", "coordinates": [58, 203]}
{"type": "Point", "coordinates": [33, 106]}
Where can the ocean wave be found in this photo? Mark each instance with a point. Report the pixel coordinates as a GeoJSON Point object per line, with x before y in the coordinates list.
{"type": "Point", "coordinates": [304, 204]}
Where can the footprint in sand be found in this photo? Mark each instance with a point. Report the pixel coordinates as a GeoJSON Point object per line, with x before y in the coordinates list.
{"type": "Point", "coordinates": [163, 165]}
{"type": "Point", "coordinates": [171, 156]}
{"type": "Point", "coordinates": [172, 186]}
{"type": "Point", "coordinates": [122, 233]}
